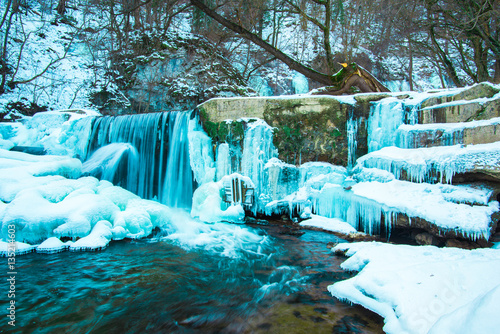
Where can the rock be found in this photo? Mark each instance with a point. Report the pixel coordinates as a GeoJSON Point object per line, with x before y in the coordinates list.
{"type": "Point", "coordinates": [367, 98]}
{"type": "Point", "coordinates": [482, 89]}
{"type": "Point", "coordinates": [461, 244]}
{"type": "Point", "coordinates": [306, 128]}
{"type": "Point", "coordinates": [426, 239]}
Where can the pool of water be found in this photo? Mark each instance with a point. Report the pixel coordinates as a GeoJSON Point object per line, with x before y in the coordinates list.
{"type": "Point", "coordinates": [160, 286]}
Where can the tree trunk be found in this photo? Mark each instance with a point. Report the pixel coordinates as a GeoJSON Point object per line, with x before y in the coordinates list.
{"type": "Point", "coordinates": [291, 63]}
{"type": "Point", "coordinates": [3, 57]}
{"type": "Point", "coordinates": [61, 7]}
{"type": "Point", "coordinates": [448, 65]}
{"type": "Point", "coordinates": [496, 78]}
{"type": "Point", "coordinates": [410, 66]}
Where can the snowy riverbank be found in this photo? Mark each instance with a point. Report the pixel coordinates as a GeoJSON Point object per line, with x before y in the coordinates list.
{"type": "Point", "coordinates": [421, 289]}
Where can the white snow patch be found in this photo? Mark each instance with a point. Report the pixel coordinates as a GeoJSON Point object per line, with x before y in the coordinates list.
{"type": "Point", "coordinates": [52, 245]}
{"type": "Point", "coordinates": [329, 224]}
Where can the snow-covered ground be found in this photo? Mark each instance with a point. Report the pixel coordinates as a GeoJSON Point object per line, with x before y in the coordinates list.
{"type": "Point", "coordinates": [424, 289]}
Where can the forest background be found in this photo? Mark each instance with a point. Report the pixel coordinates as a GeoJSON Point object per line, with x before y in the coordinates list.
{"type": "Point", "coordinates": [134, 56]}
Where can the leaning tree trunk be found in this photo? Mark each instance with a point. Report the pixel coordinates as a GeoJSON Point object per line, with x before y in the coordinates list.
{"type": "Point", "coordinates": [353, 75]}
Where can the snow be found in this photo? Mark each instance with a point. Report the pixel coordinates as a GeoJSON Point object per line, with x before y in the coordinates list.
{"type": "Point", "coordinates": [417, 287]}
{"type": "Point", "coordinates": [21, 248]}
{"type": "Point", "coordinates": [52, 245]}
{"type": "Point", "coordinates": [329, 224]}
{"type": "Point", "coordinates": [98, 239]}
{"type": "Point", "coordinates": [442, 205]}
{"type": "Point", "coordinates": [479, 316]}
{"type": "Point", "coordinates": [92, 212]}
{"type": "Point", "coordinates": [420, 163]}
{"type": "Point", "coordinates": [363, 199]}
{"type": "Point", "coordinates": [74, 71]}
{"type": "Point", "coordinates": [443, 133]}
{"type": "Point", "coordinates": [62, 132]}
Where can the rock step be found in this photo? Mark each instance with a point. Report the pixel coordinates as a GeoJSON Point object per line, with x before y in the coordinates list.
{"type": "Point", "coordinates": [448, 134]}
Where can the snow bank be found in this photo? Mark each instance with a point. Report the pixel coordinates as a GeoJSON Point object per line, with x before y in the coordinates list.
{"type": "Point", "coordinates": [63, 132]}
{"type": "Point", "coordinates": [463, 209]}
{"type": "Point", "coordinates": [479, 316]}
{"type": "Point", "coordinates": [329, 224]}
{"type": "Point", "coordinates": [417, 287]}
{"type": "Point", "coordinates": [371, 195]}
{"type": "Point", "coordinates": [53, 245]}
{"type": "Point", "coordinates": [21, 248]}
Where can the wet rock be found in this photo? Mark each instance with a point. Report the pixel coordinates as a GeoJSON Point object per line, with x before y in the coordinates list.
{"type": "Point", "coordinates": [461, 244]}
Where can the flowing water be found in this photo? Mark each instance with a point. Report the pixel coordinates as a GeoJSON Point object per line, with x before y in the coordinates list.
{"type": "Point", "coordinates": [159, 285]}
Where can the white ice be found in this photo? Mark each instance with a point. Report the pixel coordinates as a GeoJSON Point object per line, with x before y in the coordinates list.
{"type": "Point", "coordinates": [208, 205]}
{"type": "Point", "coordinates": [53, 245]}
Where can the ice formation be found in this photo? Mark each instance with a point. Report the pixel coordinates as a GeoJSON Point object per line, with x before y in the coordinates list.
{"type": "Point", "coordinates": [166, 156]}
{"type": "Point", "coordinates": [44, 205]}
{"type": "Point", "coordinates": [433, 164]}
{"type": "Point", "coordinates": [352, 143]}
{"type": "Point", "coordinates": [53, 245]}
{"type": "Point", "coordinates": [62, 132]}
{"type": "Point", "coordinates": [208, 204]}
{"type": "Point", "coordinates": [329, 224]}
{"type": "Point", "coordinates": [385, 118]}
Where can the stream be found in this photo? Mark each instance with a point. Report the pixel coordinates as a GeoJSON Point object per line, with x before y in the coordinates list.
{"type": "Point", "coordinates": [155, 285]}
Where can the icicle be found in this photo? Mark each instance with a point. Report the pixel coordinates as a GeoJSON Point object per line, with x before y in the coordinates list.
{"type": "Point", "coordinates": [352, 142]}
{"type": "Point", "coordinates": [200, 152]}
{"type": "Point", "coordinates": [223, 163]}
{"type": "Point", "coordinates": [258, 148]}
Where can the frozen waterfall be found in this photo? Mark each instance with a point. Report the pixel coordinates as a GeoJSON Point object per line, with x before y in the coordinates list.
{"type": "Point", "coordinates": [160, 168]}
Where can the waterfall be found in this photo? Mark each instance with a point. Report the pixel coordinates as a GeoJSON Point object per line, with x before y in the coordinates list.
{"type": "Point", "coordinates": [178, 185]}
{"type": "Point", "coordinates": [385, 118]}
{"type": "Point", "coordinates": [161, 169]}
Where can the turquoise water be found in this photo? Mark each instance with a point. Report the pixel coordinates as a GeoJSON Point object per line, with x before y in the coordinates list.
{"type": "Point", "coordinates": [154, 286]}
